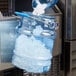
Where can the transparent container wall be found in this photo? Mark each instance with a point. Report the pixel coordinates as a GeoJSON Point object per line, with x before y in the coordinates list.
{"type": "Point", "coordinates": [7, 38]}
{"type": "Point", "coordinates": [34, 45]}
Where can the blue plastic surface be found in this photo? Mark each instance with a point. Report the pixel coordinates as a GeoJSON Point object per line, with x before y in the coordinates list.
{"type": "Point", "coordinates": [22, 14]}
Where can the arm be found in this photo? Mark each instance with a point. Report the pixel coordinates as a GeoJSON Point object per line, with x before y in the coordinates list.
{"type": "Point", "coordinates": [39, 6]}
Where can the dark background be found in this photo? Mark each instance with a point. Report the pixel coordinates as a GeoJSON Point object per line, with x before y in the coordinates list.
{"type": "Point", "coordinates": [23, 5]}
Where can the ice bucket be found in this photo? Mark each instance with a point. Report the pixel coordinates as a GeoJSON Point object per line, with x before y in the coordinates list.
{"type": "Point", "coordinates": [35, 42]}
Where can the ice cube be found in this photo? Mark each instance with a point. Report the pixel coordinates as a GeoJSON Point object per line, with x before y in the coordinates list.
{"type": "Point", "coordinates": [37, 31]}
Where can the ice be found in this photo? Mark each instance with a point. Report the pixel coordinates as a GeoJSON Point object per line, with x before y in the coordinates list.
{"type": "Point", "coordinates": [31, 65]}
{"type": "Point", "coordinates": [37, 31]}
{"type": "Point", "coordinates": [30, 47]}
{"type": "Point", "coordinates": [31, 53]}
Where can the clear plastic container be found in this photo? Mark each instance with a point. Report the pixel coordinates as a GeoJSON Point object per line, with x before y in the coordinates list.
{"type": "Point", "coordinates": [34, 44]}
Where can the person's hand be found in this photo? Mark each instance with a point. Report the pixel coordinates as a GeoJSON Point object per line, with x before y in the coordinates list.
{"type": "Point", "coordinates": [40, 9]}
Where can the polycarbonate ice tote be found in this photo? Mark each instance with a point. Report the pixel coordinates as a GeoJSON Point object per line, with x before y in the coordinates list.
{"type": "Point", "coordinates": [34, 44]}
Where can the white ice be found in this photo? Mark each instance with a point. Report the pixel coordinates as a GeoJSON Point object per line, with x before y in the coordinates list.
{"type": "Point", "coordinates": [31, 54]}
{"type": "Point", "coordinates": [30, 47]}
{"type": "Point", "coordinates": [37, 31]}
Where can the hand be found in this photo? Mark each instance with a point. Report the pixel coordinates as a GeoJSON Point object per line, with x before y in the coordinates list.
{"type": "Point", "coordinates": [40, 9]}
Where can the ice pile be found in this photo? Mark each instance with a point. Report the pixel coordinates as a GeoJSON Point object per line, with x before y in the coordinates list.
{"type": "Point", "coordinates": [31, 55]}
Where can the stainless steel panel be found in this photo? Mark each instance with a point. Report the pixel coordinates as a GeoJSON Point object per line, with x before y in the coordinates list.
{"type": "Point", "coordinates": [69, 10]}
{"type": "Point", "coordinates": [70, 19]}
{"type": "Point", "coordinates": [58, 14]}
{"type": "Point", "coordinates": [74, 18]}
